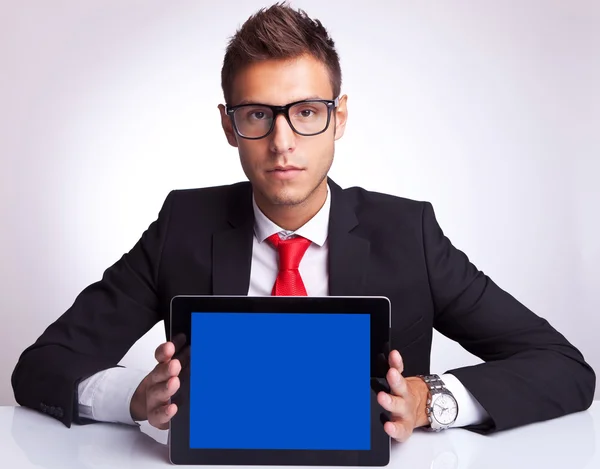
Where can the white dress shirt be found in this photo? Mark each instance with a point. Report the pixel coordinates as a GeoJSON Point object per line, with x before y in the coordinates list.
{"type": "Point", "coordinates": [106, 396]}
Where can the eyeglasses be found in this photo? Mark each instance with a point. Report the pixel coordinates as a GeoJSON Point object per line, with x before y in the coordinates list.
{"type": "Point", "coordinates": [309, 117]}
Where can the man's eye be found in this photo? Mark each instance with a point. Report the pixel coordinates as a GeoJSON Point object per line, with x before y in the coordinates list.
{"type": "Point", "coordinates": [306, 113]}
{"type": "Point", "coordinates": [257, 115]}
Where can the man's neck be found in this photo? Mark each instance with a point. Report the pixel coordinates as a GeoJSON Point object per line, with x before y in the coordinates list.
{"type": "Point", "coordinates": [292, 217]}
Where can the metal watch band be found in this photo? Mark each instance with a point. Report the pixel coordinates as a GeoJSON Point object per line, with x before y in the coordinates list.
{"type": "Point", "coordinates": [434, 383]}
{"type": "Point", "coordinates": [436, 386]}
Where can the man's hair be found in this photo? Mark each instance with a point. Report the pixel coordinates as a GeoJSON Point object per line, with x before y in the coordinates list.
{"type": "Point", "coordinates": [279, 32]}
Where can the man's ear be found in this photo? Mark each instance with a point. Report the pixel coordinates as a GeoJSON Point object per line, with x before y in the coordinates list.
{"type": "Point", "coordinates": [341, 116]}
{"type": "Point", "coordinates": [228, 127]}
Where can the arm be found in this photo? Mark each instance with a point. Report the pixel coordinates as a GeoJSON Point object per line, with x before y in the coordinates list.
{"type": "Point", "coordinates": [106, 319]}
{"type": "Point", "coordinates": [532, 373]}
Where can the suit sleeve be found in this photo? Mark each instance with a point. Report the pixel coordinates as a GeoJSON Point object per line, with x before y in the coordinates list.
{"type": "Point", "coordinates": [531, 372]}
{"type": "Point", "coordinates": [105, 320]}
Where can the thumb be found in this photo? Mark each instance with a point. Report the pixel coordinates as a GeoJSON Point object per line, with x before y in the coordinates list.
{"type": "Point", "coordinates": [164, 352]}
{"type": "Point", "coordinates": [395, 361]}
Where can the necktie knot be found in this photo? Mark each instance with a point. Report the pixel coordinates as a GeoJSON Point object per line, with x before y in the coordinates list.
{"type": "Point", "coordinates": [290, 251]}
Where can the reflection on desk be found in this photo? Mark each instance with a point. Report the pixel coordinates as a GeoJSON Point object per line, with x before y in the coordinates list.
{"type": "Point", "coordinates": [29, 439]}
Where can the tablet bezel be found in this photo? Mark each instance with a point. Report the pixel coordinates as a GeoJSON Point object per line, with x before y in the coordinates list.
{"type": "Point", "coordinates": [379, 310]}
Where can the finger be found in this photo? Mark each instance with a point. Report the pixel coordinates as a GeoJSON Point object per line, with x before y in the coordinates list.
{"type": "Point", "coordinates": [160, 393]}
{"type": "Point", "coordinates": [163, 371]}
{"type": "Point", "coordinates": [160, 416]}
{"type": "Point", "coordinates": [394, 404]}
{"type": "Point", "coordinates": [397, 382]}
{"type": "Point", "coordinates": [395, 360]}
{"type": "Point", "coordinates": [164, 352]}
{"type": "Point", "coordinates": [398, 430]}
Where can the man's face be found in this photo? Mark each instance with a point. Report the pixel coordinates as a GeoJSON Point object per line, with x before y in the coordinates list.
{"type": "Point", "coordinates": [285, 168]}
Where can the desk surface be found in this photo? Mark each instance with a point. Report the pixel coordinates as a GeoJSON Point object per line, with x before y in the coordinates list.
{"type": "Point", "coordinates": [32, 440]}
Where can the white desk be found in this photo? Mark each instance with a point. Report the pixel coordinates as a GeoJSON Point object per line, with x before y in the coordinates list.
{"type": "Point", "coordinates": [32, 440]}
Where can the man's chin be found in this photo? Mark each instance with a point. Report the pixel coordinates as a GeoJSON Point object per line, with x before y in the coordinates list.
{"type": "Point", "coordinates": [285, 196]}
{"type": "Point", "coordinates": [288, 195]}
{"type": "Point", "coordinates": [287, 199]}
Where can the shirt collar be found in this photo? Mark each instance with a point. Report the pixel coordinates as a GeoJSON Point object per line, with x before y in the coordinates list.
{"type": "Point", "coordinates": [314, 229]}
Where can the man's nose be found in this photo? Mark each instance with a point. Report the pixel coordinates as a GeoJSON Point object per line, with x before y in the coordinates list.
{"type": "Point", "coordinates": [283, 137]}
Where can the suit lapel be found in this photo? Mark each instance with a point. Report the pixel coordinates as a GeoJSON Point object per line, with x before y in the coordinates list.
{"type": "Point", "coordinates": [232, 247]}
{"type": "Point", "coordinates": [348, 253]}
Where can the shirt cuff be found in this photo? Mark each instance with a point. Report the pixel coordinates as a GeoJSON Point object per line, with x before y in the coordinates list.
{"type": "Point", "coordinates": [106, 396]}
{"type": "Point", "coordinates": [470, 411]}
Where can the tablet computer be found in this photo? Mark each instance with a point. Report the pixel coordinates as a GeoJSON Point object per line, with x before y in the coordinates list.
{"type": "Point", "coordinates": [280, 380]}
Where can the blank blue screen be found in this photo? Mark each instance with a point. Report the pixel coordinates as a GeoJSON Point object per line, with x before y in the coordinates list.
{"type": "Point", "coordinates": [280, 381]}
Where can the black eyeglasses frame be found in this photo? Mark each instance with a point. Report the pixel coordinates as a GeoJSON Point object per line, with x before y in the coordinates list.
{"type": "Point", "coordinates": [285, 110]}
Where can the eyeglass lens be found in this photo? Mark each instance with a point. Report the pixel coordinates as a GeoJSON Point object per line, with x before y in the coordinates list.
{"type": "Point", "coordinates": [307, 118]}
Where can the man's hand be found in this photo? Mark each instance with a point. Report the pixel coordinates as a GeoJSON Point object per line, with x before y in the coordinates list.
{"type": "Point", "coordinates": [151, 399]}
{"type": "Point", "coordinates": [406, 402]}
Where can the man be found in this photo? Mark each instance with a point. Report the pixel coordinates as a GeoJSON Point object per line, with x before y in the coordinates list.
{"type": "Point", "coordinates": [281, 79]}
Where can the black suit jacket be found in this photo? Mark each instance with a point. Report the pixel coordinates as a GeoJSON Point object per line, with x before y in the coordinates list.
{"type": "Point", "coordinates": [201, 243]}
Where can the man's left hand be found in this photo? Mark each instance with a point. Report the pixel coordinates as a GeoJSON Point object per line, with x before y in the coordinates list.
{"type": "Point", "coordinates": [406, 402]}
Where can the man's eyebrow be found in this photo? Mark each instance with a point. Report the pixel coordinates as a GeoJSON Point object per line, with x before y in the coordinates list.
{"type": "Point", "coordinates": [253, 101]}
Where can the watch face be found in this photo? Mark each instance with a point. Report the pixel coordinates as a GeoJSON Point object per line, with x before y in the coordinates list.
{"type": "Point", "coordinates": [445, 409]}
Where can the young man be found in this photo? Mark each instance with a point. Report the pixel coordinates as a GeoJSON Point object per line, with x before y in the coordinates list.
{"type": "Point", "coordinates": [281, 79]}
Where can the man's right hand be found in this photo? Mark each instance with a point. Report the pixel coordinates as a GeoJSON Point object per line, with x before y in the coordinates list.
{"type": "Point", "coordinates": [150, 400]}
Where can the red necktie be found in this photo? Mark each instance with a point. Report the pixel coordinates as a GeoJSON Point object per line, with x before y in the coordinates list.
{"type": "Point", "coordinates": [289, 282]}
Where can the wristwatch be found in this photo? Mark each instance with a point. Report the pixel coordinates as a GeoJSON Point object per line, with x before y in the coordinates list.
{"type": "Point", "coordinates": [442, 408]}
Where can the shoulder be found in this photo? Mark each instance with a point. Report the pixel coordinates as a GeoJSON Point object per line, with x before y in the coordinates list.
{"type": "Point", "coordinates": [216, 193]}
{"type": "Point", "coordinates": [207, 208]}
{"type": "Point", "coordinates": [388, 217]}
{"type": "Point", "coordinates": [215, 198]}
{"type": "Point", "coordinates": [367, 203]}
